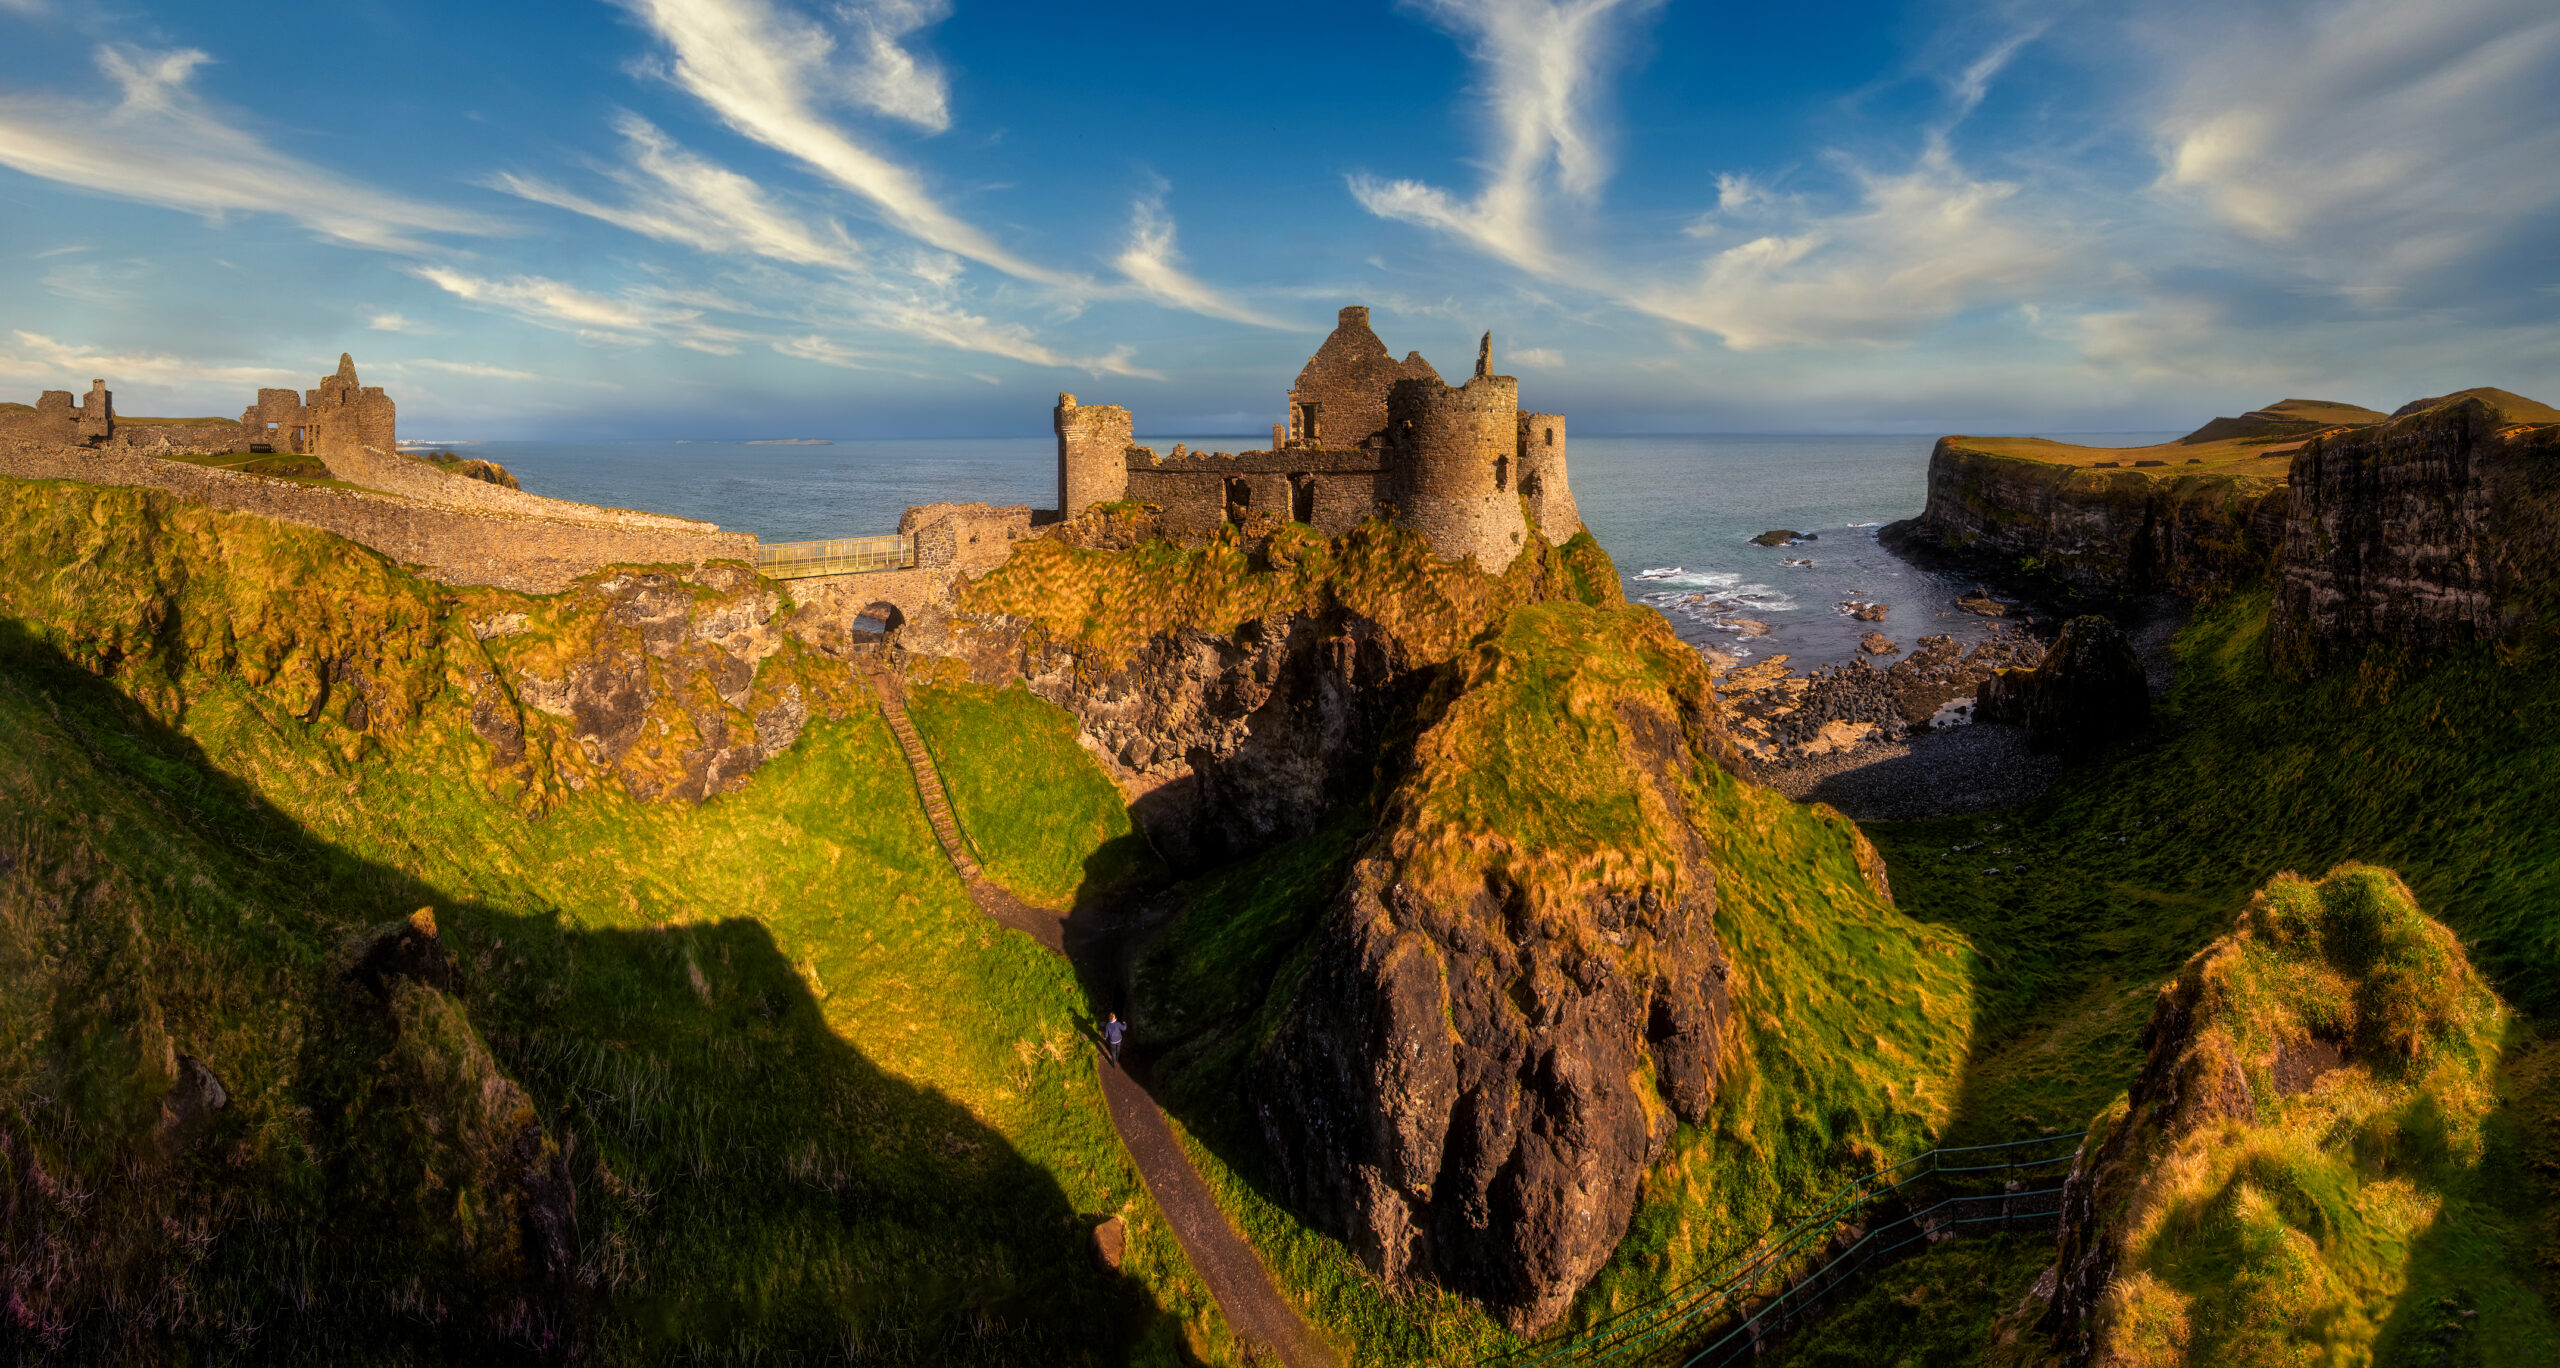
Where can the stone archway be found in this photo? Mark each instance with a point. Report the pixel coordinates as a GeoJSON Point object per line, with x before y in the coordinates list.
{"type": "Point", "coordinates": [878, 619]}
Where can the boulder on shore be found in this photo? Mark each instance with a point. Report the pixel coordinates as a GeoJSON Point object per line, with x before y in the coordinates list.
{"type": "Point", "coordinates": [1779, 536]}
{"type": "Point", "coordinates": [2088, 690]}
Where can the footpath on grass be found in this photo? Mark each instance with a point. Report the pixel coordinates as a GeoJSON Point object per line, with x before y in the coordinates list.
{"type": "Point", "coordinates": [1254, 1309]}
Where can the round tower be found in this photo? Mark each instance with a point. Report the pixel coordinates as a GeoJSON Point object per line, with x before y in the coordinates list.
{"type": "Point", "coordinates": [1093, 455]}
{"type": "Point", "coordinates": [1455, 456]}
{"type": "Point", "coordinates": [1542, 477]}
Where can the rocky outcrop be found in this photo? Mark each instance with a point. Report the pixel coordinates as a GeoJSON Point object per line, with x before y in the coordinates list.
{"type": "Point", "coordinates": [1776, 715]}
{"type": "Point", "coordinates": [2332, 1015]}
{"type": "Point", "coordinates": [2437, 528]}
{"type": "Point", "coordinates": [2101, 533]}
{"type": "Point", "coordinates": [1520, 988]}
{"type": "Point", "coordinates": [1241, 690]}
{"type": "Point", "coordinates": [2088, 690]}
{"type": "Point", "coordinates": [662, 692]}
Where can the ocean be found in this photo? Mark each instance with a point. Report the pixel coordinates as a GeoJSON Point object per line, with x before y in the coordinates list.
{"type": "Point", "coordinates": [1677, 514]}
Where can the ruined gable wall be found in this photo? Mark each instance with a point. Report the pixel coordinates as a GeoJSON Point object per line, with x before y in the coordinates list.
{"type": "Point", "coordinates": [1348, 379]}
{"type": "Point", "coordinates": [1542, 477]}
{"type": "Point", "coordinates": [1454, 462]}
{"type": "Point", "coordinates": [1093, 462]}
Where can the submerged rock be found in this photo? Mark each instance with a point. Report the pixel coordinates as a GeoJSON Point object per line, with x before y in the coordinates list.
{"type": "Point", "coordinates": [1779, 536]}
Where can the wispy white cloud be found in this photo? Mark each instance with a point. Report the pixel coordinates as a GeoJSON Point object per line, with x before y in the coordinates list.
{"type": "Point", "coordinates": [1535, 358]}
{"type": "Point", "coordinates": [2386, 137]}
{"type": "Point", "coordinates": [1540, 63]}
{"type": "Point", "coordinates": [676, 196]}
{"type": "Point", "coordinates": [162, 144]}
{"type": "Point", "coordinates": [111, 284]}
{"type": "Point", "coordinates": [36, 356]}
{"type": "Point", "coordinates": [1918, 247]}
{"type": "Point", "coordinates": [626, 320]}
{"type": "Point", "coordinates": [1153, 266]}
{"type": "Point", "coordinates": [770, 75]}
{"type": "Point", "coordinates": [481, 370]}
{"type": "Point", "coordinates": [394, 323]}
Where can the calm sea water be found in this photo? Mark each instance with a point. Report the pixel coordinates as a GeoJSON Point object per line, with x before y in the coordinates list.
{"type": "Point", "coordinates": [1677, 513]}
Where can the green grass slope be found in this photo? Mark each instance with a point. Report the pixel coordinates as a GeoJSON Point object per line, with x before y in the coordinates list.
{"type": "Point", "coordinates": [810, 1099]}
{"type": "Point", "coordinates": [1851, 1018]}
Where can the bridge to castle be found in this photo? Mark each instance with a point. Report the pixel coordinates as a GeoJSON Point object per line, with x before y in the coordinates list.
{"type": "Point", "coordinates": [840, 556]}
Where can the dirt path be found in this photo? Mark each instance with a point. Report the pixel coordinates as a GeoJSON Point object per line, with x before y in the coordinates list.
{"type": "Point", "coordinates": [1254, 1309]}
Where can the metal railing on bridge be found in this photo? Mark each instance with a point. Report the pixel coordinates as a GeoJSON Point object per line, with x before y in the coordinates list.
{"type": "Point", "coordinates": [1734, 1307]}
{"type": "Point", "coordinates": [842, 556]}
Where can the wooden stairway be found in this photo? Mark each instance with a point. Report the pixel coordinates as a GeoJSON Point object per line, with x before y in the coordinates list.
{"type": "Point", "coordinates": [937, 804]}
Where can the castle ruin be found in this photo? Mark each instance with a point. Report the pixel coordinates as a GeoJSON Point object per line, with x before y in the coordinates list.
{"type": "Point", "coordinates": [1366, 436]}
{"type": "Point", "coordinates": [341, 418]}
{"type": "Point", "coordinates": [58, 420]}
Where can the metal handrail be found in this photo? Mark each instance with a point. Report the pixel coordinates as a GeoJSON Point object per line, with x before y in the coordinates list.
{"type": "Point", "coordinates": [1729, 1277]}
{"type": "Point", "coordinates": [840, 556]}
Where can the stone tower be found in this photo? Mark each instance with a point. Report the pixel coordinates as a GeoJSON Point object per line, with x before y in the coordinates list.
{"type": "Point", "coordinates": [1455, 457]}
{"type": "Point", "coordinates": [1542, 477]}
{"type": "Point", "coordinates": [1093, 454]}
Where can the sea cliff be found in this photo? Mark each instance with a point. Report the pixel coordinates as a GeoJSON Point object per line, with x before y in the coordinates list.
{"type": "Point", "coordinates": [2101, 532]}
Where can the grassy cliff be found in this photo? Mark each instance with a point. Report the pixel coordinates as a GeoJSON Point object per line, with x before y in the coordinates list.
{"type": "Point", "coordinates": [804, 1094]}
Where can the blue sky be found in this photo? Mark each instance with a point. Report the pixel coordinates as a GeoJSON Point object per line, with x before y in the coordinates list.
{"type": "Point", "coordinates": [919, 217]}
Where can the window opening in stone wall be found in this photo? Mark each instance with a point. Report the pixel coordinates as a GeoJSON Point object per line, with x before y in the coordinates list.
{"type": "Point", "coordinates": [1551, 436]}
{"type": "Point", "coordinates": [1308, 417]}
{"type": "Point", "coordinates": [1501, 474]}
{"type": "Point", "coordinates": [1302, 499]}
{"type": "Point", "coordinates": [1239, 500]}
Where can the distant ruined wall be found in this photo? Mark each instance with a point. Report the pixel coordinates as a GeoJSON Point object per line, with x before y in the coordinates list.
{"type": "Point", "coordinates": [1455, 456]}
{"type": "Point", "coordinates": [58, 419]}
{"type": "Point", "coordinates": [1542, 477]}
{"type": "Point", "coordinates": [456, 545]}
{"type": "Point", "coordinates": [1093, 462]}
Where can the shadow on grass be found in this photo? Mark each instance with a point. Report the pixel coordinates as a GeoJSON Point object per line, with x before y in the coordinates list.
{"type": "Point", "coordinates": [741, 1182]}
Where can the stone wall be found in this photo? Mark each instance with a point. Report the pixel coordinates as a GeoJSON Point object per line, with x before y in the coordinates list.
{"type": "Point", "coordinates": [973, 538]}
{"type": "Point", "coordinates": [456, 545]}
{"type": "Point", "coordinates": [390, 472]}
{"type": "Point", "coordinates": [57, 419]}
{"type": "Point", "coordinates": [1454, 458]}
{"type": "Point", "coordinates": [1093, 442]}
{"type": "Point", "coordinates": [1332, 490]}
{"type": "Point", "coordinates": [1542, 477]}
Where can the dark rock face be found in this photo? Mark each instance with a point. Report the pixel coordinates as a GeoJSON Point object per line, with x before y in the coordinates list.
{"type": "Point", "coordinates": [2106, 534]}
{"type": "Point", "coordinates": [1777, 715]}
{"type": "Point", "coordinates": [2089, 689]}
{"type": "Point", "coordinates": [1779, 536]}
{"type": "Point", "coordinates": [1454, 1088]}
{"type": "Point", "coordinates": [1246, 740]}
{"type": "Point", "coordinates": [2437, 528]}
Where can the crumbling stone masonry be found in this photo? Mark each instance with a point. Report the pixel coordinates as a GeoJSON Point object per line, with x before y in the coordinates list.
{"type": "Point", "coordinates": [340, 418]}
{"type": "Point", "coordinates": [1367, 435]}
{"type": "Point", "coordinates": [56, 419]}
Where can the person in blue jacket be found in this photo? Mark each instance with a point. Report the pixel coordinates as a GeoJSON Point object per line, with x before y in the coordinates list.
{"type": "Point", "coordinates": [1114, 1030]}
